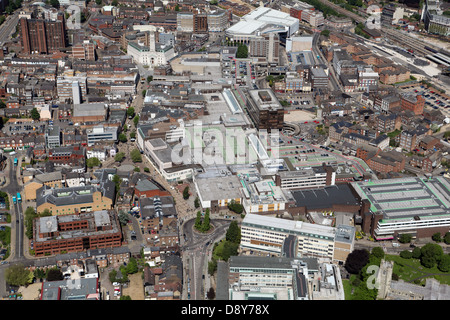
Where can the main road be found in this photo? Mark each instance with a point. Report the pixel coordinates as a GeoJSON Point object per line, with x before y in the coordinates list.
{"type": "Point", "coordinates": [8, 27]}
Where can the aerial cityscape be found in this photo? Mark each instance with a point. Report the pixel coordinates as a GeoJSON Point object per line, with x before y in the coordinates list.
{"type": "Point", "coordinates": [225, 150]}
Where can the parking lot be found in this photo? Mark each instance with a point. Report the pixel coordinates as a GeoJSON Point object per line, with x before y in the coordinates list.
{"type": "Point", "coordinates": [433, 99]}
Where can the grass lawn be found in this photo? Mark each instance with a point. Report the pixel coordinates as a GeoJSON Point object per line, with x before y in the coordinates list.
{"type": "Point", "coordinates": [410, 269]}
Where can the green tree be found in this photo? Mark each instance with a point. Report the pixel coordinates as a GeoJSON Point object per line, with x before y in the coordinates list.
{"type": "Point", "coordinates": [406, 254]}
{"type": "Point", "coordinates": [206, 223]}
{"type": "Point", "coordinates": [149, 78]}
{"type": "Point", "coordinates": [235, 207]}
{"type": "Point", "coordinates": [93, 162]}
{"type": "Point", "coordinates": [325, 33]}
{"type": "Point", "coordinates": [117, 181]}
{"type": "Point", "coordinates": [405, 238]}
{"type": "Point", "coordinates": [136, 121]}
{"type": "Point", "coordinates": [130, 111]}
{"type": "Point", "coordinates": [123, 217]}
{"type": "Point", "coordinates": [186, 193]}
{"type": "Point", "coordinates": [212, 266]}
{"type": "Point", "coordinates": [233, 233]}
{"type": "Point", "coordinates": [122, 137]}
{"type": "Point", "coordinates": [444, 263]}
{"type": "Point", "coordinates": [447, 238]}
{"type": "Point", "coordinates": [132, 266]}
{"type": "Point", "coordinates": [198, 221]}
{"type": "Point", "coordinates": [119, 156]}
{"type": "Point", "coordinates": [35, 114]}
{"type": "Point", "coordinates": [416, 253]}
{"type": "Point", "coordinates": [197, 203]}
{"type": "Point", "coordinates": [99, 2]}
{"type": "Point", "coordinates": [437, 237]}
{"type": "Point", "coordinates": [136, 155]}
{"type": "Point", "coordinates": [125, 298]}
{"type": "Point", "coordinates": [54, 3]}
{"type": "Point", "coordinates": [378, 252]}
{"type": "Point", "coordinates": [431, 253]}
{"type": "Point", "coordinates": [115, 3]}
{"type": "Point", "coordinates": [17, 275]}
{"type": "Point", "coordinates": [356, 260]}
{"type": "Point", "coordinates": [242, 51]}
{"type": "Point", "coordinates": [143, 93]}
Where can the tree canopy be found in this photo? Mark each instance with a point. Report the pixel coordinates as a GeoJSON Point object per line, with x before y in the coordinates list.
{"type": "Point", "coordinates": [17, 275]}
{"type": "Point", "coordinates": [356, 260]}
{"type": "Point", "coordinates": [136, 155]}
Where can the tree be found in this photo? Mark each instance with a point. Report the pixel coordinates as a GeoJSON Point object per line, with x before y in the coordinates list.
{"type": "Point", "coordinates": [115, 3]}
{"type": "Point", "coordinates": [431, 253]}
{"type": "Point", "coordinates": [130, 111]}
{"type": "Point", "coordinates": [356, 260]}
{"type": "Point", "coordinates": [235, 207]}
{"type": "Point", "coordinates": [378, 252]}
{"type": "Point", "coordinates": [143, 93]}
{"type": "Point", "coordinates": [136, 121]}
{"type": "Point", "coordinates": [117, 181]}
{"type": "Point", "coordinates": [133, 134]}
{"type": "Point", "coordinates": [197, 203]}
{"type": "Point", "coordinates": [406, 254]}
{"type": "Point", "coordinates": [405, 238]}
{"type": "Point", "coordinates": [437, 237]}
{"type": "Point", "coordinates": [54, 275]}
{"type": "Point", "coordinates": [233, 233]}
{"type": "Point", "coordinates": [149, 78]}
{"type": "Point", "coordinates": [123, 217]}
{"type": "Point", "coordinates": [212, 267]}
{"type": "Point", "coordinates": [416, 253]}
{"type": "Point", "coordinates": [132, 266]}
{"type": "Point", "coordinates": [125, 298]}
{"type": "Point", "coordinates": [206, 224]}
{"type": "Point", "coordinates": [35, 114]}
{"type": "Point", "coordinates": [242, 51]}
{"type": "Point", "coordinates": [325, 33]}
{"type": "Point", "coordinates": [17, 275]}
{"type": "Point", "coordinates": [99, 2]}
{"type": "Point", "coordinates": [198, 221]}
{"type": "Point", "coordinates": [122, 137]}
{"type": "Point", "coordinates": [93, 162]}
{"type": "Point", "coordinates": [54, 3]}
{"type": "Point", "coordinates": [447, 238]}
{"type": "Point", "coordinates": [119, 156]}
{"type": "Point", "coordinates": [444, 263]}
{"type": "Point", "coordinates": [136, 155]}
{"type": "Point", "coordinates": [186, 193]}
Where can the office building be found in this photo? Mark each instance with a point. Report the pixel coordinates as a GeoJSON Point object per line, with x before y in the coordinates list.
{"type": "Point", "coordinates": [76, 232]}
{"type": "Point", "coordinates": [306, 178]}
{"type": "Point", "coordinates": [42, 36]}
{"type": "Point", "coordinates": [53, 137]}
{"type": "Point", "coordinates": [265, 110]}
{"type": "Point", "coordinates": [101, 133]}
{"type": "Point", "coordinates": [268, 234]}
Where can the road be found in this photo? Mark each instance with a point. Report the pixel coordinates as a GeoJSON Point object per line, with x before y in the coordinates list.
{"type": "Point", "coordinates": [8, 27]}
{"type": "Point", "coordinates": [196, 253]}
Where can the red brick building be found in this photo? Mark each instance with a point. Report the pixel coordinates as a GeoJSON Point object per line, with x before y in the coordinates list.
{"type": "Point", "coordinates": [61, 234]}
{"type": "Point", "coordinates": [413, 103]}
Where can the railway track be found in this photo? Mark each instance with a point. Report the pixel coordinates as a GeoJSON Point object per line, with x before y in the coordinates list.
{"type": "Point", "coordinates": [402, 39]}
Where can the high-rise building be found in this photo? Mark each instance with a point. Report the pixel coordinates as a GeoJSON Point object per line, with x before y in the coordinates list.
{"type": "Point", "coordinates": [43, 36]}
{"type": "Point", "coordinates": [265, 110]}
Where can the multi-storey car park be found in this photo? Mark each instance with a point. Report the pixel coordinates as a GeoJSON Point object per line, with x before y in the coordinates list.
{"type": "Point", "coordinates": [418, 206]}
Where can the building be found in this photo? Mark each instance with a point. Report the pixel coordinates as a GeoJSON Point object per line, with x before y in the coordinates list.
{"type": "Point", "coordinates": [101, 133]}
{"type": "Point", "coordinates": [42, 36]}
{"type": "Point", "coordinates": [391, 14]}
{"type": "Point", "coordinates": [84, 51]}
{"type": "Point", "coordinates": [79, 232]}
{"type": "Point", "coordinates": [268, 234]}
{"type": "Point", "coordinates": [263, 20]}
{"type": "Point", "coordinates": [264, 109]}
{"type": "Point", "coordinates": [71, 84]}
{"type": "Point", "coordinates": [267, 278]}
{"type": "Point", "coordinates": [216, 192]}
{"type": "Point", "coordinates": [90, 112]}
{"type": "Point", "coordinates": [306, 178]}
{"type": "Point", "coordinates": [82, 199]}
{"type": "Point", "coordinates": [52, 137]}
{"type": "Point", "coordinates": [155, 54]}
{"type": "Point", "coordinates": [418, 206]}
{"type": "Point", "coordinates": [434, 19]}
{"type": "Point", "coordinates": [414, 103]}
{"type": "Point", "coordinates": [157, 213]}
{"type": "Point", "coordinates": [80, 289]}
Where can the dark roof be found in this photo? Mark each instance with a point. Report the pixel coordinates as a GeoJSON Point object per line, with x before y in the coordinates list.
{"type": "Point", "coordinates": [326, 197]}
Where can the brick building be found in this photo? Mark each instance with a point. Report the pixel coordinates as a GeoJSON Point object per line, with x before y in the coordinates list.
{"type": "Point", "coordinates": [60, 234]}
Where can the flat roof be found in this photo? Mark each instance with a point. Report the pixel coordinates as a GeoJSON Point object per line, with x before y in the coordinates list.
{"type": "Point", "coordinates": [288, 226]}
{"type": "Point", "coordinates": [326, 197]}
{"type": "Point", "coordinates": [408, 198]}
{"type": "Point", "coordinates": [219, 188]}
